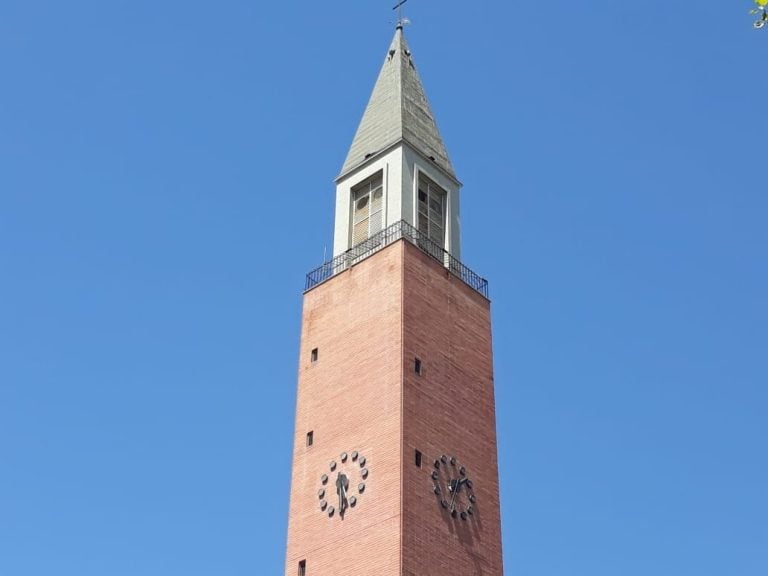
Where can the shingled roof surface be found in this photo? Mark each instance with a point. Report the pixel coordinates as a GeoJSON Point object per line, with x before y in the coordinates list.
{"type": "Point", "coordinates": [398, 110]}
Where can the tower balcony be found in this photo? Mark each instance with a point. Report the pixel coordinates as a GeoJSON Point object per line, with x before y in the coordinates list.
{"type": "Point", "coordinates": [398, 231]}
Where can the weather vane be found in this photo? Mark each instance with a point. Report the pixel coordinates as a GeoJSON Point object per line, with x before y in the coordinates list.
{"type": "Point", "coordinates": [762, 9]}
{"type": "Point", "coordinates": [403, 21]}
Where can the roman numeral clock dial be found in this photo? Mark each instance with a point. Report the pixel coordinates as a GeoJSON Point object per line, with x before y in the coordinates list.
{"type": "Point", "coordinates": [343, 484]}
{"type": "Point", "coordinates": [453, 487]}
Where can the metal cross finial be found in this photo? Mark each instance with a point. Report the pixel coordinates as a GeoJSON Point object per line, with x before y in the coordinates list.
{"type": "Point", "coordinates": [399, 8]}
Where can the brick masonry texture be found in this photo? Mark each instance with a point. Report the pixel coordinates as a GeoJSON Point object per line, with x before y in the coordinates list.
{"type": "Point", "coordinates": [449, 410]}
{"type": "Point", "coordinates": [362, 394]}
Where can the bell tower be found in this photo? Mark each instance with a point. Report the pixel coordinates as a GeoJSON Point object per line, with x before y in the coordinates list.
{"type": "Point", "coordinates": [395, 459]}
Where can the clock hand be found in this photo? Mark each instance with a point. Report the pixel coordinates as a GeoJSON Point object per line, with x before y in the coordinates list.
{"type": "Point", "coordinates": [341, 481]}
{"type": "Point", "coordinates": [338, 491]}
{"type": "Point", "coordinates": [457, 484]}
{"type": "Point", "coordinates": [455, 490]}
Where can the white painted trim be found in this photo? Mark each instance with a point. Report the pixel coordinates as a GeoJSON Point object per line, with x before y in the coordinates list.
{"type": "Point", "coordinates": [415, 195]}
{"type": "Point", "coordinates": [386, 150]}
{"type": "Point", "coordinates": [385, 199]}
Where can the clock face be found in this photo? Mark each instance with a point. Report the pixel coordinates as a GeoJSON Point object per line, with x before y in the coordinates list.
{"type": "Point", "coordinates": [453, 487]}
{"type": "Point", "coordinates": [342, 484]}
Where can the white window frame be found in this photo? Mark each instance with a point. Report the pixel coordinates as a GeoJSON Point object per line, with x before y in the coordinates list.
{"type": "Point", "coordinates": [418, 172]}
{"type": "Point", "coordinates": [353, 199]}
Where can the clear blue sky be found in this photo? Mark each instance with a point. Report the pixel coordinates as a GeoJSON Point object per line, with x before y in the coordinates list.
{"type": "Point", "coordinates": [166, 180]}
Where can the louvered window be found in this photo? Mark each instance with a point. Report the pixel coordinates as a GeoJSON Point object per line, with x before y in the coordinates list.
{"type": "Point", "coordinates": [367, 208]}
{"type": "Point", "coordinates": [431, 218]}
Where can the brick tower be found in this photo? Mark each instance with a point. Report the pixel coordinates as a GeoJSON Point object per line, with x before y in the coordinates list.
{"type": "Point", "coordinates": [394, 462]}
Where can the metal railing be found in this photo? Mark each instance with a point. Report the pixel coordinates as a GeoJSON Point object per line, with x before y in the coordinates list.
{"type": "Point", "coordinates": [398, 231]}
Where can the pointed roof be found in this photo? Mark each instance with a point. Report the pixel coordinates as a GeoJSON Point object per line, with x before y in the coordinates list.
{"type": "Point", "coordinates": [398, 110]}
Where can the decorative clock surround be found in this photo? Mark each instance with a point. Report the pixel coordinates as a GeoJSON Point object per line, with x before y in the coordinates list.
{"type": "Point", "coordinates": [344, 483]}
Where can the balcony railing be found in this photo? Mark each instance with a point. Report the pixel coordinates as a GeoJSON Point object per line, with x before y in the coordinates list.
{"type": "Point", "coordinates": [398, 231]}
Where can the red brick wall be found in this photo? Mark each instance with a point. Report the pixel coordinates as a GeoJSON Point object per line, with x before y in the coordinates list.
{"type": "Point", "coordinates": [450, 410]}
{"type": "Point", "coordinates": [362, 394]}
{"type": "Point", "coordinates": [351, 399]}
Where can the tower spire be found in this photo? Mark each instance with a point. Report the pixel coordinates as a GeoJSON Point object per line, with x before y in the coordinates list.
{"type": "Point", "coordinates": [398, 111]}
